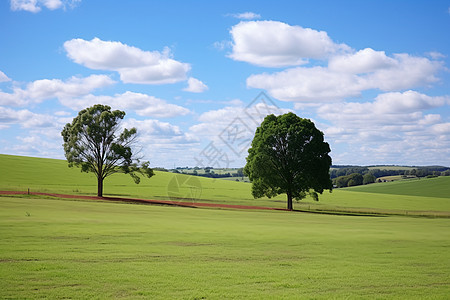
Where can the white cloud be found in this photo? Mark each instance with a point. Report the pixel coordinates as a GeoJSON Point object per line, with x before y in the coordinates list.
{"type": "Point", "coordinates": [62, 113]}
{"type": "Point", "coordinates": [443, 128]}
{"type": "Point", "coordinates": [394, 128]}
{"type": "Point", "coordinates": [409, 101]}
{"type": "Point", "coordinates": [222, 45]}
{"type": "Point", "coordinates": [52, 4]}
{"type": "Point", "coordinates": [27, 5]}
{"type": "Point", "coordinates": [73, 87]}
{"type": "Point", "coordinates": [277, 44]}
{"type": "Point", "coordinates": [246, 16]}
{"type": "Point", "coordinates": [363, 61]}
{"type": "Point", "coordinates": [214, 122]}
{"type": "Point", "coordinates": [308, 84]}
{"type": "Point", "coordinates": [430, 119]}
{"type": "Point", "coordinates": [25, 118]}
{"type": "Point", "coordinates": [133, 64]}
{"type": "Point", "coordinates": [35, 6]}
{"type": "Point", "coordinates": [162, 143]}
{"type": "Point", "coordinates": [408, 72]}
{"type": "Point", "coordinates": [436, 55]}
{"type": "Point", "coordinates": [35, 143]}
{"type": "Point", "coordinates": [142, 104]}
{"type": "Point", "coordinates": [3, 77]}
{"type": "Point", "coordinates": [389, 108]}
{"type": "Point", "coordinates": [195, 86]}
{"type": "Point", "coordinates": [40, 90]}
{"type": "Point", "coordinates": [348, 76]}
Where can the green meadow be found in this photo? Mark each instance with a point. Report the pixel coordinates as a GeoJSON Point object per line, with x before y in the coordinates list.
{"type": "Point", "coordinates": [54, 248]}
{"type": "Point", "coordinates": [382, 241]}
{"type": "Point", "coordinates": [418, 197]}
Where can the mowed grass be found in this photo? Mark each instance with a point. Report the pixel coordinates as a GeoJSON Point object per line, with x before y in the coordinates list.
{"type": "Point", "coordinates": [53, 248]}
{"type": "Point", "coordinates": [430, 187]}
{"type": "Point", "coordinates": [54, 176]}
{"type": "Point", "coordinates": [429, 197]}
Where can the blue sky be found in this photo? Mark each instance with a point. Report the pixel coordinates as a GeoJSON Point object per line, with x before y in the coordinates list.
{"type": "Point", "coordinates": [196, 77]}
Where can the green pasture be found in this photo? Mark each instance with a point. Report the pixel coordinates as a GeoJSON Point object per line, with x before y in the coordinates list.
{"type": "Point", "coordinates": [54, 249]}
{"type": "Point", "coordinates": [390, 168]}
{"type": "Point", "coordinates": [202, 171]}
{"type": "Point", "coordinates": [428, 187]}
{"type": "Point", "coordinates": [430, 197]}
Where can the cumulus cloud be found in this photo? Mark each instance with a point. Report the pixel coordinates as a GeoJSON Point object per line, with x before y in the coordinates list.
{"type": "Point", "coordinates": [387, 108]}
{"type": "Point", "coordinates": [409, 101]}
{"type": "Point", "coordinates": [246, 16]}
{"type": "Point", "coordinates": [348, 73]}
{"type": "Point", "coordinates": [277, 44]}
{"type": "Point", "coordinates": [348, 76]}
{"type": "Point", "coordinates": [44, 89]}
{"type": "Point", "coordinates": [35, 6]}
{"type": "Point", "coordinates": [169, 144]}
{"type": "Point", "coordinates": [363, 61]}
{"type": "Point", "coordinates": [308, 84]}
{"type": "Point", "coordinates": [25, 118]}
{"type": "Point", "coordinates": [133, 64]}
{"type": "Point", "coordinates": [3, 77]}
{"type": "Point", "coordinates": [215, 125]}
{"type": "Point", "coordinates": [393, 128]}
{"type": "Point", "coordinates": [142, 104]}
{"type": "Point", "coordinates": [195, 86]}
{"type": "Point", "coordinates": [443, 128]}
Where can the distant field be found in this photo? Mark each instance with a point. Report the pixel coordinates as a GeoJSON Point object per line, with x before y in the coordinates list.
{"type": "Point", "coordinates": [202, 171]}
{"type": "Point", "coordinates": [427, 187]}
{"type": "Point", "coordinates": [388, 168]}
{"type": "Point", "coordinates": [391, 168]}
{"type": "Point", "coordinates": [425, 196]}
{"type": "Point", "coordinates": [55, 249]}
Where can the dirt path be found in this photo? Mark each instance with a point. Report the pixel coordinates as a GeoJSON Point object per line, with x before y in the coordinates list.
{"type": "Point", "coordinates": [145, 201]}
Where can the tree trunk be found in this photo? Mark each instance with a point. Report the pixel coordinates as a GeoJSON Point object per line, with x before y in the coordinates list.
{"type": "Point", "coordinates": [289, 201]}
{"type": "Point", "coordinates": [100, 187]}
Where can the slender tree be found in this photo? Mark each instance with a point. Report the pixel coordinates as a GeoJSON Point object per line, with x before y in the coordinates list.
{"type": "Point", "coordinates": [92, 142]}
{"type": "Point", "coordinates": [288, 155]}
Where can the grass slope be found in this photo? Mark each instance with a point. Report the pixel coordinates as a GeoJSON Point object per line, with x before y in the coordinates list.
{"type": "Point", "coordinates": [52, 175]}
{"type": "Point", "coordinates": [425, 197]}
{"type": "Point", "coordinates": [57, 249]}
{"type": "Point", "coordinates": [429, 187]}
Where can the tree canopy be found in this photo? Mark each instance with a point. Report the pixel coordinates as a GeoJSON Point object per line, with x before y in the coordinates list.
{"type": "Point", "coordinates": [288, 155]}
{"type": "Point", "coordinates": [92, 142]}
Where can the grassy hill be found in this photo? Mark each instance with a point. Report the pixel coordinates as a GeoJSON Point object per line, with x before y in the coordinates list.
{"type": "Point", "coordinates": [52, 175]}
{"type": "Point", "coordinates": [59, 248]}
{"type": "Point", "coordinates": [425, 196]}
{"type": "Point", "coordinates": [428, 187]}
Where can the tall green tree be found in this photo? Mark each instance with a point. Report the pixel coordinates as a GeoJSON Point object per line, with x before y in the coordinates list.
{"type": "Point", "coordinates": [288, 155]}
{"type": "Point", "coordinates": [93, 142]}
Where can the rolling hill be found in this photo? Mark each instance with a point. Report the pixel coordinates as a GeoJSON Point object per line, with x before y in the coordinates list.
{"type": "Point", "coordinates": [52, 175]}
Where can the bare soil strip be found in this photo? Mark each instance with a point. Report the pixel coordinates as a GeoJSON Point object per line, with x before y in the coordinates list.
{"type": "Point", "coordinates": [145, 201]}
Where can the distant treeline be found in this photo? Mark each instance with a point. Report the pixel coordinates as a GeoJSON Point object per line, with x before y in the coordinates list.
{"type": "Point", "coordinates": [344, 176]}
{"type": "Point", "coordinates": [337, 171]}
{"type": "Point", "coordinates": [209, 172]}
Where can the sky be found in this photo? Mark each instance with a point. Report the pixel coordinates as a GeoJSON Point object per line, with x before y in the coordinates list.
{"type": "Point", "coordinates": [196, 78]}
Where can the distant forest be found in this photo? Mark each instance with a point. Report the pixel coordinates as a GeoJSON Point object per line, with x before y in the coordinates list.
{"type": "Point", "coordinates": [342, 175]}
{"type": "Point", "coordinates": [381, 171]}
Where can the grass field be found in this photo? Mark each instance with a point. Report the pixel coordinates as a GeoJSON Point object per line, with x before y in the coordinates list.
{"type": "Point", "coordinates": [53, 248]}
{"type": "Point", "coordinates": [419, 197]}
{"type": "Point", "coordinates": [59, 248]}
{"type": "Point", "coordinates": [430, 187]}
